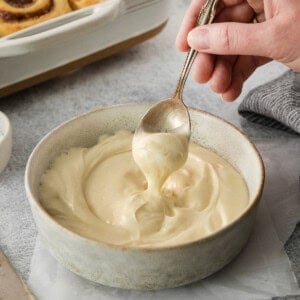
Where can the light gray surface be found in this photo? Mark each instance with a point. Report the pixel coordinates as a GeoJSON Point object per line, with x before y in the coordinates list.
{"type": "Point", "coordinates": [147, 72]}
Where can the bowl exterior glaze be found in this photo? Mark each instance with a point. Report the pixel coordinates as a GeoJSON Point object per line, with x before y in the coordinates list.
{"type": "Point", "coordinates": [133, 268]}
{"type": "Point", "coordinates": [144, 269]}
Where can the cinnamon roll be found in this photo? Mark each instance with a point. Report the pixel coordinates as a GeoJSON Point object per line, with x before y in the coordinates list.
{"type": "Point", "coordinates": [19, 14]}
{"type": "Point", "coordinates": [77, 4]}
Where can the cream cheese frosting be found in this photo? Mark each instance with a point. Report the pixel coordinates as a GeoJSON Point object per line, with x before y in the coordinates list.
{"type": "Point", "coordinates": [158, 155]}
{"type": "Point", "coordinates": [167, 197]}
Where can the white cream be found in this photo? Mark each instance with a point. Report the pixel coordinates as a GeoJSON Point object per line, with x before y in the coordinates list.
{"type": "Point", "coordinates": [101, 193]}
{"type": "Point", "coordinates": [158, 155]}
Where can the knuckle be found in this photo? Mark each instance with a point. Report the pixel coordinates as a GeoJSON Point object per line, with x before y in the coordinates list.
{"type": "Point", "coordinates": [278, 34]}
{"type": "Point", "coordinates": [227, 38]}
{"type": "Point", "coordinates": [288, 32]}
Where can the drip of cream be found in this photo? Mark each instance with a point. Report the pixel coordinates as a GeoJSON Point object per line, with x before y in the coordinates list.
{"type": "Point", "coordinates": [158, 155]}
{"type": "Point", "coordinates": [169, 196]}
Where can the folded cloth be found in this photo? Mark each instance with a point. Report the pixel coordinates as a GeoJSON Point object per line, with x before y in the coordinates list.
{"type": "Point", "coordinates": [275, 104]}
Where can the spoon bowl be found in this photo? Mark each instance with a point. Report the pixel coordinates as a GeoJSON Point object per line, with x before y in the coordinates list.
{"type": "Point", "coordinates": [171, 115]}
{"type": "Point", "coordinates": [167, 116]}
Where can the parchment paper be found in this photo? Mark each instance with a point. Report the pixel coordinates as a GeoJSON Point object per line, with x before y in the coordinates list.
{"type": "Point", "coordinates": [261, 271]}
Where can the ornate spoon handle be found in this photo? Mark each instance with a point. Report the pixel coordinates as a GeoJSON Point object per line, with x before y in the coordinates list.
{"type": "Point", "coordinates": [206, 16]}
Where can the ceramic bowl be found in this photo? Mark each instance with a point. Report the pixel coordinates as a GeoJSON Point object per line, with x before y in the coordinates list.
{"type": "Point", "coordinates": [5, 140]}
{"type": "Point", "coordinates": [152, 268]}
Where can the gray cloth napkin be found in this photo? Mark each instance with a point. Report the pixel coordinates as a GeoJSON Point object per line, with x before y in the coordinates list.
{"type": "Point", "coordinates": [275, 104]}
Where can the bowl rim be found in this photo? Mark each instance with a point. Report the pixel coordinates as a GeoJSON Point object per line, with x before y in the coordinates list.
{"type": "Point", "coordinates": [34, 202]}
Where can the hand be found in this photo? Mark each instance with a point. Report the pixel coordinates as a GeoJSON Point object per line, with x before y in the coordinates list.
{"type": "Point", "coordinates": [240, 47]}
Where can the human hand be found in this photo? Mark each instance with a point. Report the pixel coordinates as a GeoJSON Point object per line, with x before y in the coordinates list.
{"type": "Point", "coordinates": [230, 51]}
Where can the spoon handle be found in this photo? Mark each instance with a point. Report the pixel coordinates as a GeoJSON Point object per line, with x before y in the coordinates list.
{"type": "Point", "coordinates": [206, 16]}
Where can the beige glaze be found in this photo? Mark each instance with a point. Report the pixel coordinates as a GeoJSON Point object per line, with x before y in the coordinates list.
{"type": "Point", "coordinates": [101, 193]}
{"type": "Point", "coordinates": [158, 155]}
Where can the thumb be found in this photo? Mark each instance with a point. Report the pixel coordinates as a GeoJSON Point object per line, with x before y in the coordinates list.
{"type": "Point", "coordinates": [234, 39]}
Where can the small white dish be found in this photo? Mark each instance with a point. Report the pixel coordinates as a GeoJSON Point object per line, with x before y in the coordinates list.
{"type": "Point", "coordinates": [5, 140]}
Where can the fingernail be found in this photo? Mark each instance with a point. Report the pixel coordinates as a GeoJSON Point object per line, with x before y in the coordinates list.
{"type": "Point", "coordinates": [198, 39]}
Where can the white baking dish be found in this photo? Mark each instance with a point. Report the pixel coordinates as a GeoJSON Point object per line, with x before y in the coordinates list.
{"type": "Point", "coordinates": [75, 39]}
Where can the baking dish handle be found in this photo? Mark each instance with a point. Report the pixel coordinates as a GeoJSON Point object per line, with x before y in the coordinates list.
{"type": "Point", "coordinates": [36, 37]}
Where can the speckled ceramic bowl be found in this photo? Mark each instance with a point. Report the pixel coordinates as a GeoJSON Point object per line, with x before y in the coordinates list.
{"type": "Point", "coordinates": [5, 140]}
{"type": "Point", "coordinates": [133, 268]}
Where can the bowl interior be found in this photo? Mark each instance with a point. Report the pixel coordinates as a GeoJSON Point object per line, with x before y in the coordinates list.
{"type": "Point", "coordinates": [207, 130]}
{"type": "Point", "coordinates": [223, 138]}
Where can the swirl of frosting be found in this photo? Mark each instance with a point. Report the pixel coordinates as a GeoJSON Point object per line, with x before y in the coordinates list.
{"type": "Point", "coordinates": [101, 193]}
{"type": "Point", "coordinates": [20, 14]}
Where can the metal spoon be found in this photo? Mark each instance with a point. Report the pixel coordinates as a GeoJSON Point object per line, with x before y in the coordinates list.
{"type": "Point", "coordinates": [171, 115]}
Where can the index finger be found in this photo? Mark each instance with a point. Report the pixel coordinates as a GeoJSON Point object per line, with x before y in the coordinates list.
{"type": "Point", "coordinates": [190, 19]}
